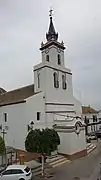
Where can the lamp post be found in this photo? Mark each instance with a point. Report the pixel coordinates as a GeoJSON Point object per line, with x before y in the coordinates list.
{"type": "Point", "coordinates": [4, 132]}
{"type": "Point", "coordinates": [30, 126]}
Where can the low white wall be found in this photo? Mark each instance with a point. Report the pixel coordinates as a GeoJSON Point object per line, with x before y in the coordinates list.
{"type": "Point", "coordinates": [64, 146]}
{"type": "Point", "coordinates": [71, 143]}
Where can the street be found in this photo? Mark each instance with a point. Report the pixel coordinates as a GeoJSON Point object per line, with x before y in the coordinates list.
{"type": "Point", "coordinates": [86, 168]}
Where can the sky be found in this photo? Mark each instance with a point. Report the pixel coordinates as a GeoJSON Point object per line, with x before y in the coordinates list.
{"type": "Point", "coordinates": [23, 25]}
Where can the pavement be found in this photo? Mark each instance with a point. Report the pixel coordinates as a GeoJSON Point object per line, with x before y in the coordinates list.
{"type": "Point", "coordinates": [51, 163]}
{"type": "Point", "coordinates": [55, 161]}
{"type": "Point", "coordinates": [86, 168]}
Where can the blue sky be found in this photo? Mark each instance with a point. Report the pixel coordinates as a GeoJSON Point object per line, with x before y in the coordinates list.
{"type": "Point", "coordinates": [23, 24]}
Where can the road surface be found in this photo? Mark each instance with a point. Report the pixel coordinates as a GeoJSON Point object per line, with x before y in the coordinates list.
{"type": "Point", "coordinates": [86, 168]}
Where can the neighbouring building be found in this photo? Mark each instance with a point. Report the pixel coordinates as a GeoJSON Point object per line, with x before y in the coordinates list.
{"type": "Point", "coordinates": [99, 115]}
{"type": "Point", "coordinates": [49, 102]}
{"type": "Point", "coordinates": [92, 118]}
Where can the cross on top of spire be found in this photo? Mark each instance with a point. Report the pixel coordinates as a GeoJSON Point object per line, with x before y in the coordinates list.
{"type": "Point", "coordinates": [51, 12]}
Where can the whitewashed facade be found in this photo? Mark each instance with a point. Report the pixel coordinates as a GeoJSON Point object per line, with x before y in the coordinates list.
{"type": "Point", "coordinates": [19, 117]}
{"type": "Point", "coordinates": [52, 104]}
{"type": "Point", "coordinates": [93, 117]}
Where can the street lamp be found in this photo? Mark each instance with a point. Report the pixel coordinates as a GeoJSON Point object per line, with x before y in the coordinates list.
{"type": "Point", "coordinates": [30, 126]}
{"type": "Point", "coordinates": [4, 132]}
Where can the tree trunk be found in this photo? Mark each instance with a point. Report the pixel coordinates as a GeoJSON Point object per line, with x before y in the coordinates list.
{"type": "Point", "coordinates": [42, 165]}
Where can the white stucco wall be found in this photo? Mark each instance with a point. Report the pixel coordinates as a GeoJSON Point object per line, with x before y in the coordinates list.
{"type": "Point", "coordinates": [17, 122]}
{"type": "Point", "coordinates": [65, 139]}
{"type": "Point", "coordinates": [47, 83]}
{"type": "Point", "coordinates": [78, 107]}
{"type": "Point", "coordinates": [53, 56]}
{"type": "Point", "coordinates": [42, 73]}
{"type": "Point", "coordinates": [71, 142]}
{"type": "Point", "coordinates": [58, 94]}
{"type": "Point", "coordinates": [78, 142]}
{"type": "Point", "coordinates": [36, 104]}
{"type": "Point", "coordinates": [19, 116]}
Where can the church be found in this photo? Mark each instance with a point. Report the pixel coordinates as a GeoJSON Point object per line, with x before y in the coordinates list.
{"type": "Point", "coordinates": [49, 102]}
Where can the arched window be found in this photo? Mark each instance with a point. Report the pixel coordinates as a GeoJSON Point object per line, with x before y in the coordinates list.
{"type": "Point", "coordinates": [64, 84]}
{"type": "Point", "coordinates": [47, 58]}
{"type": "Point", "coordinates": [56, 80]}
{"type": "Point", "coordinates": [59, 59]}
{"type": "Point", "coordinates": [38, 80]}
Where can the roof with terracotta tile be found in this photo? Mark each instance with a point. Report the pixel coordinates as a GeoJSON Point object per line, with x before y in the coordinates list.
{"type": "Point", "coordinates": [17, 95]}
{"type": "Point", "coordinates": [88, 110]}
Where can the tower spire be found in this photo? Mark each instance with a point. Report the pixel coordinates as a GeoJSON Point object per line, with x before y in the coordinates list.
{"type": "Point", "coordinates": [51, 35]}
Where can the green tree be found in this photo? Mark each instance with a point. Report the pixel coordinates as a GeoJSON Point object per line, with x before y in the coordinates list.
{"type": "Point", "coordinates": [2, 145]}
{"type": "Point", "coordinates": [42, 141]}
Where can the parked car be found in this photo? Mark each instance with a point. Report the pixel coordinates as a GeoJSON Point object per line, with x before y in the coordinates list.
{"type": "Point", "coordinates": [93, 138]}
{"type": "Point", "coordinates": [16, 172]}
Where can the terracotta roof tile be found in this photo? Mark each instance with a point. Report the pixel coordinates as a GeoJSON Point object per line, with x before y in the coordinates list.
{"type": "Point", "coordinates": [88, 110]}
{"type": "Point", "coordinates": [17, 95]}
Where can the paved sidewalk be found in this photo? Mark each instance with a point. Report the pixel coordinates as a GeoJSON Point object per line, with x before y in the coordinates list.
{"type": "Point", "coordinates": [50, 164]}
{"type": "Point", "coordinates": [32, 164]}
{"type": "Point", "coordinates": [55, 161]}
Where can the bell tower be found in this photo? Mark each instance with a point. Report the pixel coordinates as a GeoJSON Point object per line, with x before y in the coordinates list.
{"type": "Point", "coordinates": [52, 50]}
{"type": "Point", "coordinates": [51, 74]}
{"type": "Point", "coordinates": [61, 108]}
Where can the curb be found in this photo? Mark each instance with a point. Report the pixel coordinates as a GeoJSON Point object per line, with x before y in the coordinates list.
{"type": "Point", "coordinates": [35, 168]}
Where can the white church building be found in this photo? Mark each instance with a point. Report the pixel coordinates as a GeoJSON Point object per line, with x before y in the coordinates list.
{"type": "Point", "coordinates": [49, 102]}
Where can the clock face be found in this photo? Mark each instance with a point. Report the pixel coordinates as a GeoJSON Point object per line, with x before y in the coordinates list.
{"type": "Point", "coordinates": [58, 50]}
{"type": "Point", "coordinates": [47, 50]}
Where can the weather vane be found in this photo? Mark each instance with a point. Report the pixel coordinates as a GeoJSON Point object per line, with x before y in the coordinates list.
{"type": "Point", "coordinates": [50, 12]}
